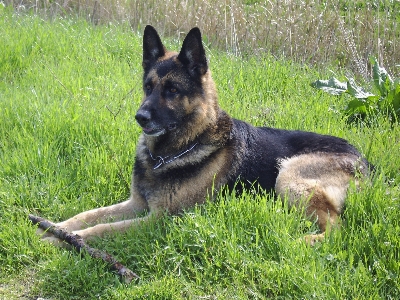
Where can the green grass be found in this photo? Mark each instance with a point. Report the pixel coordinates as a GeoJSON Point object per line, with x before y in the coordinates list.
{"type": "Point", "coordinates": [68, 96]}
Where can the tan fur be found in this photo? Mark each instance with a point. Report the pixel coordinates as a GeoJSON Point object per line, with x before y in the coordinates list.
{"type": "Point", "coordinates": [318, 182]}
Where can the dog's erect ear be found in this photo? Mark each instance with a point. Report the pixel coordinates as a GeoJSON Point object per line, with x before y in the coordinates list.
{"type": "Point", "coordinates": [153, 48]}
{"type": "Point", "coordinates": [192, 54]}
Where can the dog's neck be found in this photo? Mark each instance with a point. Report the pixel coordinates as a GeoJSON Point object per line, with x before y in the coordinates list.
{"type": "Point", "coordinates": [160, 160]}
{"type": "Point", "coordinates": [165, 149]}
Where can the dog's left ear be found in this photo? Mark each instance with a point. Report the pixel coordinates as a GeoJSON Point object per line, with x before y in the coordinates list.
{"type": "Point", "coordinates": [192, 54]}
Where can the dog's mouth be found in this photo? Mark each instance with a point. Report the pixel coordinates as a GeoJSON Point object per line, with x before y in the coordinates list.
{"type": "Point", "coordinates": [158, 131]}
{"type": "Point", "coordinates": [153, 131]}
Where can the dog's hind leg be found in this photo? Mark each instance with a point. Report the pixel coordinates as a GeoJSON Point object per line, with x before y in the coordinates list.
{"type": "Point", "coordinates": [318, 183]}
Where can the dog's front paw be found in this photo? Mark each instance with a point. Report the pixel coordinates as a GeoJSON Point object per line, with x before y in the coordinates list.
{"type": "Point", "coordinates": [55, 241]}
{"type": "Point", "coordinates": [85, 234]}
{"type": "Point", "coordinates": [41, 232]}
{"type": "Point", "coordinates": [50, 236]}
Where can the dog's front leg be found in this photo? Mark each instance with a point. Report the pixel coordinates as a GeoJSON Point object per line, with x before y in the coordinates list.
{"type": "Point", "coordinates": [125, 210]}
{"type": "Point", "coordinates": [100, 229]}
{"type": "Point", "coordinates": [92, 218]}
{"type": "Point", "coordinates": [121, 226]}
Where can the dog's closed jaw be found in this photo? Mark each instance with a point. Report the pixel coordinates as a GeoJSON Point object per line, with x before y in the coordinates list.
{"type": "Point", "coordinates": [143, 117]}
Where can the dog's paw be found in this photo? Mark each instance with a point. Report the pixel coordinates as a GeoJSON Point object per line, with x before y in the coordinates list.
{"type": "Point", "coordinates": [47, 236]}
{"type": "Point", "coordinates": [312, 239]}
{"type": "Point", "coordinates": [42, 233]}
{"type": "Point", "coordinates": [86, 234]}
{"type": "Point", "coordinates": [57, 242]}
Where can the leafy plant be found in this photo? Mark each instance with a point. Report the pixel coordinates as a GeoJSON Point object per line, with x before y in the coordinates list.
{"type": "Point", "coordinates": [386, 101]}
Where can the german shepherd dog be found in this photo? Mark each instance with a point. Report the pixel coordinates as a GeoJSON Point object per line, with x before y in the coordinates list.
{"type": "Point", "coordinates": [191, 148]}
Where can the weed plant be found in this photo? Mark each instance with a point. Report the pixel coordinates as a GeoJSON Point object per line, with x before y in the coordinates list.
{"type": "Point", "coordinates": [68, 95]}
{"type": "Point", "coordinates": [364, 105]}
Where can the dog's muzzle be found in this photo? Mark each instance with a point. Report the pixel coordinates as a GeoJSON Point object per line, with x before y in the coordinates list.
{"type": "Point", "coordinates": [143, 117]}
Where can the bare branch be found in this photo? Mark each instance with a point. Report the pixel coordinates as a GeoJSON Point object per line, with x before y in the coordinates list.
{"type": "Point", "coordinates": [77, 242]}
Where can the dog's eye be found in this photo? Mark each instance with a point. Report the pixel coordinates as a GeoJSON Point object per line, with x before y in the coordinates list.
{"type": "Point", "coordinates": [147, 89]}
{"type": "Point", "coordinates": [173, 90]}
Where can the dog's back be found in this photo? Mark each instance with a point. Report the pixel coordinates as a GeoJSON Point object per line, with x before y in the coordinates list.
{"type": "Point", "coordinates": [260, 150]}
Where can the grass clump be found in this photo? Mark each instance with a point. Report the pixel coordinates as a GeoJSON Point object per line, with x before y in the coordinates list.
{"type": "Point", "coordinates": [69, 92]}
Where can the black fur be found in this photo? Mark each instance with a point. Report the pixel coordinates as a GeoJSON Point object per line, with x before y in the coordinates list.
{"type": "Point", "coordinates": [265, 147]}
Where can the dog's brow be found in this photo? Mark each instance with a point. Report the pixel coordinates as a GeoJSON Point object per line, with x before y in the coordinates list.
{"type": "Point", "coordinates": [170, 82]}
{"type": "Point", "coordinates": [165, 67]}
{"type": "Point", "coordinates": [148, 80]}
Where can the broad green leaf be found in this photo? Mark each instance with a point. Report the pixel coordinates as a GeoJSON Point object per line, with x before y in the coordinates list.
{"type": "Point", "coordinates": [356, 104]}
{"type": "Point", "coordinates": [396, 99]}
{"type": "Point", "coordinates": [356, 91]}
{"type": "Point", "coordinates": [356, 107]}
{"type": "Point", "coordinates": [382, 79]}
{"type": "Point", "coordinates": [373, 99]}
{"type": "Point", "coordinates": [331, 86]}
{"type": "Point", "coordinates": [385, 103]}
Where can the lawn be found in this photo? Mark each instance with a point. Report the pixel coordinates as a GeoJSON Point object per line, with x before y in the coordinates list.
{"type": "Point", "coordinates": [68, 95]}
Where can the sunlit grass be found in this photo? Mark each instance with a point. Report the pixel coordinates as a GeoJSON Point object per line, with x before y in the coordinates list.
{"type": "Point", "coordinates": [68, 95]}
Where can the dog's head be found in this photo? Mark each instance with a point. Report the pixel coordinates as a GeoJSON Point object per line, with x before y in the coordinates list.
{"type": "Point", "coordinates": [180, 100]}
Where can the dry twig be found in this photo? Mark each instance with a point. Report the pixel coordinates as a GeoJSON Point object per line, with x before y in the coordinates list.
{"type": "Point", "coordinates": [77, 242]}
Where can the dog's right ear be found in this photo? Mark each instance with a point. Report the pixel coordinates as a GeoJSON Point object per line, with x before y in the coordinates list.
{"type": "Point", "coordinates": [192, 54]}
{"type": "Point", "coordinates": [153, 48]}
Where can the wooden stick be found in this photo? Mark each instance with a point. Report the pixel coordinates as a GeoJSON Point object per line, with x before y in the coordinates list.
{"type": "Point", "coordinates": [77, 242]}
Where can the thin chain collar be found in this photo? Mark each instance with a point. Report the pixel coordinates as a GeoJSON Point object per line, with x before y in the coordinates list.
{"type": "Point", "coordinates": [166, 160]}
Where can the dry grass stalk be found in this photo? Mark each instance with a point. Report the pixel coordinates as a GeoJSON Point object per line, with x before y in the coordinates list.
{"type": "Point", "coordinates": [312, 32]}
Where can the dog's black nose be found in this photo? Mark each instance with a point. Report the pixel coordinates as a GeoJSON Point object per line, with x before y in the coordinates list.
{"type": "Point", "coordinates": [143, 117]}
